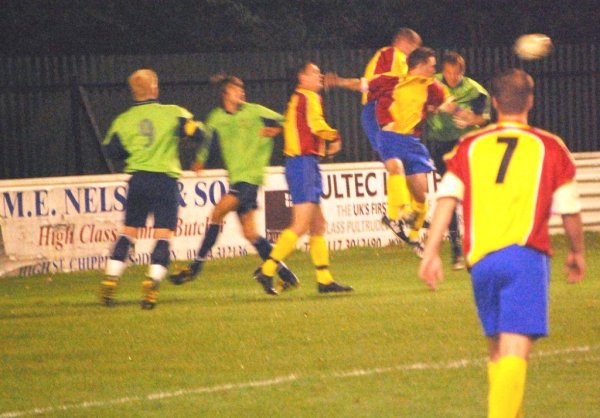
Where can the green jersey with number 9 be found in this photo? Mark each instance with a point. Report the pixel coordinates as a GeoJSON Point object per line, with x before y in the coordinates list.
{"type": "Point", "coordinates": [147, 136]}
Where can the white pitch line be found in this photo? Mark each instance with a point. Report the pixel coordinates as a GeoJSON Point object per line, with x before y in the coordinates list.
{"type": "Point", "coordinates": [153, 396]}
{"type": "Point", "coordinates": [457, 364]}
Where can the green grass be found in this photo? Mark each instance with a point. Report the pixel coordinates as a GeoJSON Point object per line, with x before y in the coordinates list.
{"type": "Point", "coordinates": [219, 347]}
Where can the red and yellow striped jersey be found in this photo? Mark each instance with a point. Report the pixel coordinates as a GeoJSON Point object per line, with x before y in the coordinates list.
{"type": "Point", "coordinates": [383, 71]}
{"type": "Point", "coordinates": [403, 110]}
{"type": "Point", "coordinates": [305, 129]}
{"type": "Point", "coordinates": [510, 172]}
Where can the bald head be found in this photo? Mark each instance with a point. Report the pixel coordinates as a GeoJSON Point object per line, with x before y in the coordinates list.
{"type": "Point", "coordinates": [144, 85]}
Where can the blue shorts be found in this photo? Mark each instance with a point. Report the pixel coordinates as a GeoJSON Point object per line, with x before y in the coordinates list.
{"type": "Point", "coordinates": [511, 291]}
{"type": "Point", "coordinates": [369, 123]}
{"type": "Point", "coordinates": [246, 194]}
{"type": "Point", "coordinates": [154, 193]}
{"type": "Point", "coordinates": [303, 177]}
{"type": "Point", "coordinates": [408, 149]}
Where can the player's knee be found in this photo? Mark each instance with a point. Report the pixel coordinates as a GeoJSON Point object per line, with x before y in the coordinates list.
{"type": "Point", "coordinates": [250, 233]}
{"type": "Point", "coordinates": [217, 216]}
{"type": "Point", "coordinates": [121, 248]}
{"type": "Point", "coordinates": [318, 225]}
{"type": "Point", "coordinates": [299, 228]}
{"type": "Point", "coordinates": [227, 204]}
{"type": "Point", "coordinates": [161, 253]}
{"type": "Point", "coordinates": [394, 166]}
{"type": "Point", "coordinates": [318, 230]}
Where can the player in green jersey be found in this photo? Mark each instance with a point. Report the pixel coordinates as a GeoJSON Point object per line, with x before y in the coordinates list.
{"type": "Point", "coordinates": [245, 132]}
{"type": "Point", "coordinates": [146, 137]}
{"type": "Point", "coordinates": [442, 130]}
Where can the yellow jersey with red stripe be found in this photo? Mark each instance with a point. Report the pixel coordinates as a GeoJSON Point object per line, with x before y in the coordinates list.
{"type": "Point", "coordinates": [510, 172]}
{"type": "Point", "coordinates": [383, 71]}
{"type": "Point", "coordinates": [305, 129]}
{"type": "Point", "coordinates": [404, 109]}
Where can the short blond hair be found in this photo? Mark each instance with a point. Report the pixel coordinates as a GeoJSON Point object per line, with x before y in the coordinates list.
{"type": "Point", "coordinates": [143, 84]}
{"type": "Point", "coordinates": [407, 35]}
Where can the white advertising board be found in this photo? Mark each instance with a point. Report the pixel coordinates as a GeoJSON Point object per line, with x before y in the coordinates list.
{"type": "Point", "coordinates": [69, 223]}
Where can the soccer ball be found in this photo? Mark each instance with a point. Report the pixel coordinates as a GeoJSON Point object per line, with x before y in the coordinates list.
{"type": "Point", "coordinates": [533, 46]}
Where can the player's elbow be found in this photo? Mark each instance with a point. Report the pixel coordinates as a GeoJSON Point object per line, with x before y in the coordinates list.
{"type": "Point", "coordinates": [114, 149]}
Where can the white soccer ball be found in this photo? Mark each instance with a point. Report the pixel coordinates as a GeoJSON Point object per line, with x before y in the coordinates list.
{"type": "Point", "coordinates": [533, 46]}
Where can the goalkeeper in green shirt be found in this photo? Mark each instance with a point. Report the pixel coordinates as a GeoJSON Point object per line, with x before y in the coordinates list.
{"type": "Point", "coordinates": [443, 130]}
{"type": "Point", "coordinates": [146, 137]}
{"type": "Point", "coordinates": [245, 132]}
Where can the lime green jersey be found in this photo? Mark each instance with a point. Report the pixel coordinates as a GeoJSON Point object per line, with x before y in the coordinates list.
{"type": "Point", "coordinates": [469, 94]}
{"type": "Point", "coordinates": [245, 152]}
{"type": "Point", "coordinates": [147, 136]}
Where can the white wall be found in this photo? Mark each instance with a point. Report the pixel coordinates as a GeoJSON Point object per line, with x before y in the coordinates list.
{"type": "Point", "coordinates": [69, 223]}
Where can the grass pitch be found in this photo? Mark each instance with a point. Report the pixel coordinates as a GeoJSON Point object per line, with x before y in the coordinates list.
{"type": "Point", "coordinates": [219, 347]}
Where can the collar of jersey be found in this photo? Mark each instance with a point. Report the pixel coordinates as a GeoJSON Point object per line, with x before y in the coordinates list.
{"type": "Point", "coordinates": [233, 113]}
{"type": "Point", "coordinates": [303, 90]}
{"type": "Point", "coordinates": [410, 77]}
{"type": "Point", "coordinates": [512, 123]}
{"type": "Point", "coordinates": [460, 83]}
{"type": "Point", "coordinates": [145, 102]}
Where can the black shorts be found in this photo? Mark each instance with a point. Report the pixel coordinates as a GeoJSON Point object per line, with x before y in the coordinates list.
{"type": "Point", "coordinates": [438, 149]}
{"type": "Point", "coordinates": [246, 193]}
{"type": "Point", "coordinates": [152, 193]}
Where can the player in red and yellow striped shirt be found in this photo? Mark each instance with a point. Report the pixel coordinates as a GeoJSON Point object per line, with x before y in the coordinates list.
{"type": "Point", "coordinates": [510, 176]}
{"type": "Point", "coordinates": [305, 129]}
{"type": "Point", "coordinates": [305, 136]}
{"type": "Point", "coordinates": [383, 71]}
{"type": "Point", "coordinates": [406, 159]}
{"type": "Point", "coordinates": [388, 65]}
{"type": "Point", "coordinates": [526, 179]}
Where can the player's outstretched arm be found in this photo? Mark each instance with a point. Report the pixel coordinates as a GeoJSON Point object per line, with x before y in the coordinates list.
{"type": "Point", "coordinates": [448, 106]}
{"type": "Point", "coordinates": [192, 129]}
{"type": "Point", "coordinates": [466, 117]}
{"type": "Point", "coordinates": [430, 270]}
{"type": "Point", "coordinates": [332, 80]}
{"type": "Point", "coordinates": [575, 262]}
{"type": "Point", "coordinates": [270, 131]}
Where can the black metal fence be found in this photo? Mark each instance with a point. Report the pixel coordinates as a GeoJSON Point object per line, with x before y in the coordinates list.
{"type": "Point", "coordinates": [54, 110]}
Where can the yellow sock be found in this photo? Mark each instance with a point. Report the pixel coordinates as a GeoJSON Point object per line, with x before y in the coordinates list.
{"type": "Point", "coordinates": [507, 388]}
{"type": "Point", "coordinates": [492, 367]}
{"type": "Point", "coordinates": [319, 253]}
{"type": "Point", "coordinates": [285, 245]}
{"type": "Point", "coordinates": [419, 211]}
{"type": "Point", "coordinates": [420, 208]}
{"type": "Point", "coordinates": [397, 195]}
{"type": "Point", "coordinates": [412, 202]}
